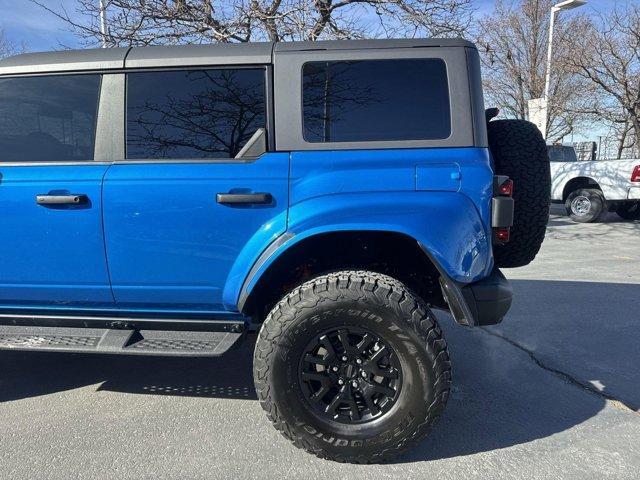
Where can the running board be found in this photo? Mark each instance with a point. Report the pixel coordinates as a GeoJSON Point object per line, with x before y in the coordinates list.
{"type": "Point", "coordinates": [226, 322]}
{"type": "Point", "coordinates": [130, 342]}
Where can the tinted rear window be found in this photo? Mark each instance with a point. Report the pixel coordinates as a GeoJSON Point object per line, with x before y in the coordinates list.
{"type": "Point", "coordinates": [193, 113]}
{"type": "Point", "coordinates": [48, 119]}
{"type": "Point", "coordinates": [376, 100]}
{"type": "Point", "coordinates": [559, 153]}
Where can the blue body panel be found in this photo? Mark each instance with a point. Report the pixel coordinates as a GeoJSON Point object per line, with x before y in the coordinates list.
{"type": "Point", "coordinates": [440, 197]}
{"type": "Point", "coordinates": [52, 256]}
{"type": "Point", "coordinates": [171, 248]}
{"type": "Point", "coordinates": [169, 244]}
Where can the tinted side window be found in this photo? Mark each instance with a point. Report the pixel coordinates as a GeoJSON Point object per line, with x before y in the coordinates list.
{"type": "Point", "coordinates": [194, 113]}
{"type": "Point", "coordinates": [556, 153]}
{"type": "Point", "coordinates": [559, 153]}
{"type": "Point", "coordinates": [376, 100]}
{"type": "Point", "coordinates": [570, 154]}
{"type": "Point", "coordinates": [48, 119]}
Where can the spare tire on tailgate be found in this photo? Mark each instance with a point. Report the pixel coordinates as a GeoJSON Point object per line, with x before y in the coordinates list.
{"type": "Point", "coordinates": [520, 152]}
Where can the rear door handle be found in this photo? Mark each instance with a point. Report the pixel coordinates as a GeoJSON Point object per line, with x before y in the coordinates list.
{"type": "Point", "coordinates": [76, 199]}
{"type": "Point", "coordinates": [244, 198]}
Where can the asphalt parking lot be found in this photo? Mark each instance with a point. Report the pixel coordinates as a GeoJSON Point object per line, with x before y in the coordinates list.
{"type": "Point", "coordinates": [553, 392]}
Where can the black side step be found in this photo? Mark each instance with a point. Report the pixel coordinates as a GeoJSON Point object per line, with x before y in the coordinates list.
{"type": "Point", "coordinates": [131, 342]}
{"type": "Point", "coordinates": [229, 322]}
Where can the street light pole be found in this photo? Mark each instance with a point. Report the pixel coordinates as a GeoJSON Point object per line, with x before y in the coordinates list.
{"type": "Point", "coordinates": [564, 5]}
{"type": "Point", "coordinates": [547, 77]}
{"type": "Point", "coordinates": [103, 23]}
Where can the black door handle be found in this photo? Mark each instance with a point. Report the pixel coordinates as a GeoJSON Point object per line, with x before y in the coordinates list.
{"type": "Point", "coordinates": [76, 199]}
{"type": "Point", "coordinates": [244, 198]}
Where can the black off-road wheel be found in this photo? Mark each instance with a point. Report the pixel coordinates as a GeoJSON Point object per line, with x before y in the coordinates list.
{"type": "Point", "coordinates": [352, 367]}
{"type": "Point", "coordinates": [629, 210]}
{"type": "Point", "coordinates": [520, 152]}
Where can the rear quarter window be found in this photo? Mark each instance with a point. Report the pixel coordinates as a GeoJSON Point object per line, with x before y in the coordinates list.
{"type": "Point", "coordinates": [376, 100]}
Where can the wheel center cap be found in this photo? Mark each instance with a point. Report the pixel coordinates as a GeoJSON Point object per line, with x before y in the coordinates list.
{"type": "Point", "coordinates": [581, 205]}
{"type": "Point", "coordinates": [349, 371]}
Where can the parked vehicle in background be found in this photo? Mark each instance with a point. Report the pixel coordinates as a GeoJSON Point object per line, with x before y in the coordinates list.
{"type": "Point", "coordinates": [327, 194]}
{"type": "Point", "coordinates": [590, 189]}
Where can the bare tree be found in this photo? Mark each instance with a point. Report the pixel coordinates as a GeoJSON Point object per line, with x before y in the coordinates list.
{"type": "Point", "coordinates": [148, 22]}
{"type": "Point", "coordinates": [607, 54]}
{"type": "Point", "coordinates": [626, 140]}
{"type": "Point", "coordinates": [513, 43]}
{"type": "Point", "coordinates": [7, 48]}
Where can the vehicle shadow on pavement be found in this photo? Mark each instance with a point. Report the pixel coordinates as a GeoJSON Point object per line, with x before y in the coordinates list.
{"type": "Point", "coordinates": [559, 218]}
{"type": "Point", "coordinates": [611, 224]}
{"type": "Point", "coordinates": [27, 374]}
{"type": "Point", "coordinates": [525, 379]}
{"type": "Point", "coordinates": [499, 399]}
{"type": "Point", "coordinates": [586, 330]}
{"type": "Point", "coordinates": [501, 396]}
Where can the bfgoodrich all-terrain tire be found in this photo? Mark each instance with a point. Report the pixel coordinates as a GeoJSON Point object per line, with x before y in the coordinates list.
{"type": "Point", "coordinates": [519, 151]}
{"type": "Point", "coordinates": [352, 366]}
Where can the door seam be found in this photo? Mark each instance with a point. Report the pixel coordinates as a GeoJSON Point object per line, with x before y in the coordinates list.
{"type": "Point", "coordinates": [104, 234]}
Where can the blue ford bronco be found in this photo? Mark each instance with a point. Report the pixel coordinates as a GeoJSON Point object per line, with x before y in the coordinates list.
{"type": "Point", "coordinates": [172, 200]}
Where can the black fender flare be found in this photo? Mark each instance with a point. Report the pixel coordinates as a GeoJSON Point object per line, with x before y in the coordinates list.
{"type": "Point", "coordinates": [485, 302]}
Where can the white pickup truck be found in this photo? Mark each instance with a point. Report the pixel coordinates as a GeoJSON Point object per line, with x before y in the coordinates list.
{"type": "Point", "coordinates": [589, 189]}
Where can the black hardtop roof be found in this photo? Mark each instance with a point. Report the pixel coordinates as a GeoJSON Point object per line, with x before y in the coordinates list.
{"type": "Point", "coordinates": [193, 55]}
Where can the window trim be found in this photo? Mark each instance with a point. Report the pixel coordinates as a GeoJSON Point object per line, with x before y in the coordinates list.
{"type": "Point", "coordinates": [109, 126]}
{"type": "Point", "coordinates": [337, 142]}
{"type": "Point", "coordinates": [268, 91]}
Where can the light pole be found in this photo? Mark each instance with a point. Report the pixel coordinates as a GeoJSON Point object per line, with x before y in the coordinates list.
{"type": "Point", "coordinates": [103, 23]}
{"type": "Point", "coordinates": [564, 5]}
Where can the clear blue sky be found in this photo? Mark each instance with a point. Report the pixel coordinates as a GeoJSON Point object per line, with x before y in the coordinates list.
{"type": "Point", "coordinates": [25, 22]}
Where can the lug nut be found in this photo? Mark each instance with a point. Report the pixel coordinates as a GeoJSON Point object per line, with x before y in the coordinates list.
{"type": "Point", "coordinates": [344, 358]}
{"type": "Point", "coordinates": [359, 361]}
{"type": "Point", "coordinates": [363, 374]}
{"type": "Point", "coordinates": [340, 381]}
{"type": "Point", "coordinates": [335, 369]}
{"type": "Point", "coordinates": [354, 384]}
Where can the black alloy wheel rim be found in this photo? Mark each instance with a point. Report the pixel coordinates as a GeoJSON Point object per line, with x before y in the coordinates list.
{"type": "Point", "coordinates": [350, 375]}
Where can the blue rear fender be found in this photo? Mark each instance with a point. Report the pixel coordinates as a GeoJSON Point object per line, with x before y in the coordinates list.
{"type": "Point", "coordinates": [447, 224]}
{"type": "Point", "coordinates": [440, 197]}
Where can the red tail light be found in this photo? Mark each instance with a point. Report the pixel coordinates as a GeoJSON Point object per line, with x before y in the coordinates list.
{"type": "Point", "coordinates": [635, 176]}
{"type": "Point", "coordinates": [506, 188]}
{"type": "Point", "coordinates": [503, 234]}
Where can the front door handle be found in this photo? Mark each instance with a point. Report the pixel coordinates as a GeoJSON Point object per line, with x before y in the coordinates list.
{"type": "Point", "coordinates": [244, 198]}
{"type": "Point", "coordinates": [76, 199]}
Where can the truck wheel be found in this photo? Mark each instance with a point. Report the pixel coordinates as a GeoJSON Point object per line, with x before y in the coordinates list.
{"type": "Point", "coordinates": [352, 366]}
{"type": "Point", "coordinates": [585, 205]}
{"type": "Point", "coordinates": [629, 210]}
{"type": "Point", "coordinates": [519, 151]}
